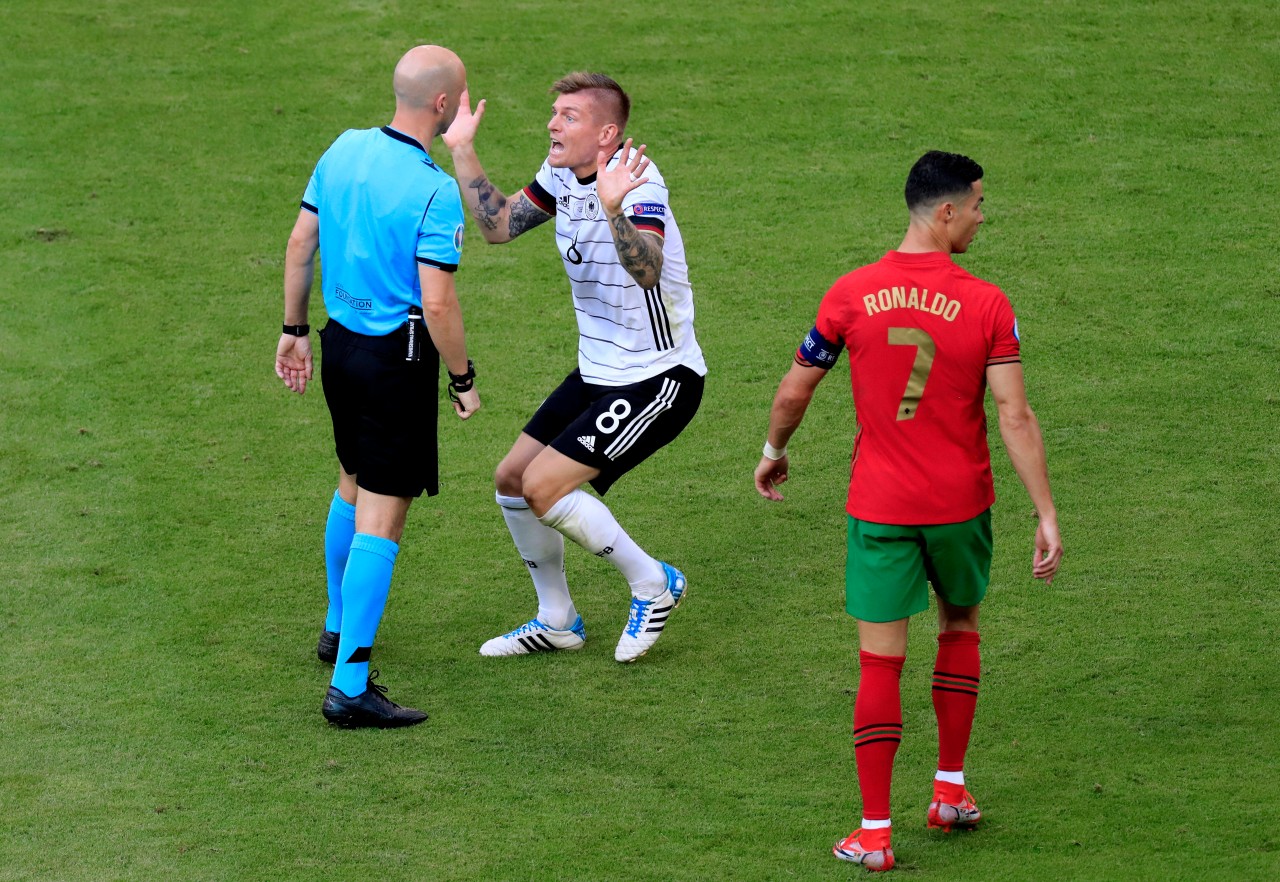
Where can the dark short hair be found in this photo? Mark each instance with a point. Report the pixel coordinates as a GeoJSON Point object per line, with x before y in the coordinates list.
{"type": "Point", "coordinates": [938, 174]}
{"type": "Point", "coordinates": [607, 89]}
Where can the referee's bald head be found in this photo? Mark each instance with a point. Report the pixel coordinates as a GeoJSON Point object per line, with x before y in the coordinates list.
{"type": "Point", "coordinates": [426, 72]}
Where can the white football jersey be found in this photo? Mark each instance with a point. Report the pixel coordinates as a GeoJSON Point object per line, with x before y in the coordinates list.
{"type": "Point", "coordinates": [625, 333]}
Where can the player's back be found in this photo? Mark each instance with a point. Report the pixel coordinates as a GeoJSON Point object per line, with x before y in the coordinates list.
{"type": "Point", "coordinates": [921, 332]}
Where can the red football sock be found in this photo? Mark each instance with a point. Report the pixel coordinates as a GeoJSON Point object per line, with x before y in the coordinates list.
{"type": "Point", "coordinates": [955, 695]}
{"type": "Point", "coordinates": [877, 729]}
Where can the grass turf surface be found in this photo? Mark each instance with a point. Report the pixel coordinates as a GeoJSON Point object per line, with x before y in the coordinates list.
{"type": "Point", "coordinates": [162, 578]}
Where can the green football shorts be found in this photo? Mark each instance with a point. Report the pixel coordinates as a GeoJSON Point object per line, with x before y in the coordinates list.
{"type": "Point", "coordinates": [890, 566]}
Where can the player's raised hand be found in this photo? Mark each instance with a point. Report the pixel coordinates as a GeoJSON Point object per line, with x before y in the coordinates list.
{"type": "Point", "coordinates": [293, 362]}
{"type": "Point", "coordinates": [462, 133]}
{"type": "Point", "coordinates": [613, 184]}
{"type": "Point", "coordinates": [769, 474]}
{"type": "Point", "coordinates": [1048, 554]}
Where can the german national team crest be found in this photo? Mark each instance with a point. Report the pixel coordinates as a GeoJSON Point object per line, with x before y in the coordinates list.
{"type": "Point", "coordinates": [592, 207]}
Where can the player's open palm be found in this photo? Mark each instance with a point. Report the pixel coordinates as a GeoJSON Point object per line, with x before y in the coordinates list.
{"type": "Point", "coordinates": [613, 184]}
{"type": "Point", "coordinates": [462, 132]}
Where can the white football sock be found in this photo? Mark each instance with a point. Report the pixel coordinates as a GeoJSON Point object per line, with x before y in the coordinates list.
{"type": "Point", "coordinates": [588, 521]}
{"type": "Point", "coordinates": [950, 777]}
{"type": "Point", "coordinates": [543, 551]}
{"type": "Point", "coordinates": [875, 825]}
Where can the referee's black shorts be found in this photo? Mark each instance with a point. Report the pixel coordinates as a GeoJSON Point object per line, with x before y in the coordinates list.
{"type": "Point", "coordinates": [615, 428]}
{"type": "Point", "coordinates": [383, 409]}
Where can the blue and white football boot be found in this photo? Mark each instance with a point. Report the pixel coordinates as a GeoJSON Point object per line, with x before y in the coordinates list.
{"type": "Point", "coordinates": [648, 617]}
{"type": "Point", "coordinates": [676, 582]}
{"type": "Point", "coordinates": [534, 636]}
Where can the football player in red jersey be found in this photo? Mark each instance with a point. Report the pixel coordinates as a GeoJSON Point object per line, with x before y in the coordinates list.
{"type": "Point", "coordinates": [925, 339]}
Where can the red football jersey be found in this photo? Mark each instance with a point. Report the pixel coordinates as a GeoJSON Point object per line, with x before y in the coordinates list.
{"type": "Point", "coordinates": [920, 333]}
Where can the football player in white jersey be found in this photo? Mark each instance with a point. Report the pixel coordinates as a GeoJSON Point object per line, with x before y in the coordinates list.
{"type": "Point", "coordinates": [640, 371]}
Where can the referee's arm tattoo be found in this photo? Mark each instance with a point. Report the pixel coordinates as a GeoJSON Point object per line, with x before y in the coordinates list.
{"type": "Point", "coordinates": [640, 254]}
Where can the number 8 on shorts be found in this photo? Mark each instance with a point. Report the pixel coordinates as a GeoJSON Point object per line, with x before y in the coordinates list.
{"type": "Point", "coordinates": [619, 410]}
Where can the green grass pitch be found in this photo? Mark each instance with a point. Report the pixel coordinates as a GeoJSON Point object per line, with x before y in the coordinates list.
{"type": "Point", "coordinates": [161, 570]}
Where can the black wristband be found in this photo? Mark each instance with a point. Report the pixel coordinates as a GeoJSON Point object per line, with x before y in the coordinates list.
{"type": "Point", "coordinates": [463, 382]}
{"type": "Point", "coordinates": [296, 330]}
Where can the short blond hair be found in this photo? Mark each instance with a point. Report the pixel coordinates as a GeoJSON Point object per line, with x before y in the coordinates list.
{"type": "Point", "coordinates": [615, 102]}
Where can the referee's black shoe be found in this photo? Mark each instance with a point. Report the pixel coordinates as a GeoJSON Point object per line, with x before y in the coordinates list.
{"type": "Point", "coordinates": [370, 709]}
{"type": "Point", "coordinates": [327, 648]}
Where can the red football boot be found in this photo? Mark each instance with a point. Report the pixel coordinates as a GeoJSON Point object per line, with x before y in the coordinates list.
{"type": "Point", "coordinates": [867, 847]}
{"type": "Point", "coordinates": [952, 806]}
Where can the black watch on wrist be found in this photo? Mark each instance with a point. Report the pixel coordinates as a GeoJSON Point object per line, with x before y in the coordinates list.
{"type": "Point", "coordinates": [296, 330]}
{"type": "Point", "coordinates": [463, 382]}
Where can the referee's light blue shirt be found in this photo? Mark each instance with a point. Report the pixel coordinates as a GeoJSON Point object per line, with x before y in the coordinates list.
{"type": "Point", "coordinates": [384, 207]}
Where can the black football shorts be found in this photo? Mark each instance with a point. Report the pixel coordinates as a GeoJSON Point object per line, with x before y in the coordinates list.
{"type": "Point", "coordinates": [383, 408]}
{"type": "Point", "coordinates": [615, 428]}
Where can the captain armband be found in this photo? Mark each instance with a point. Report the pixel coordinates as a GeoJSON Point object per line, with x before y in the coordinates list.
{"type": "Point", "coordinates": [817, 351]}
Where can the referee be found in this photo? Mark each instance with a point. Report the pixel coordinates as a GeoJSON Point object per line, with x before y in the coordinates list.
{"type": "Point", "coordinates": [387, 222]}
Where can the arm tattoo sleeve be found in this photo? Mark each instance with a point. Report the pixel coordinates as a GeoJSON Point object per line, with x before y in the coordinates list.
{"type": "Point", "coordinates": [639, 254]}
{"type": "Point", "coordinates": [489, 203]}
{"type": "Point", "coordinates": [524, 215]}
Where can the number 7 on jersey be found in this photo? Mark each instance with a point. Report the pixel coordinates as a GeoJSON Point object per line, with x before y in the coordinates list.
{"type": "Point", "coordinates": [925, 351]}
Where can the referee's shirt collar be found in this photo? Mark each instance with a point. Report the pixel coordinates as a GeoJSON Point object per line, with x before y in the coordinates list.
{"type": "Point", "coordinates": [401, 136]}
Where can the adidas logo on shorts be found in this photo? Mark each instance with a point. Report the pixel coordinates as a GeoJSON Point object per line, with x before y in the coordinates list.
{"type": "Point", "coordinates": [588, 441]}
